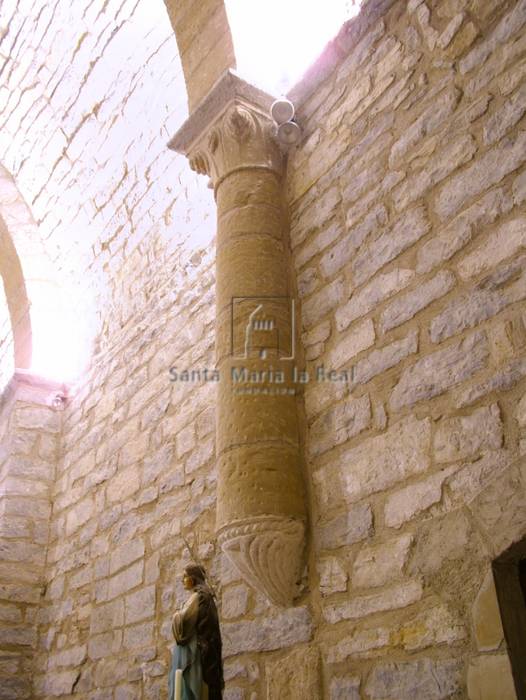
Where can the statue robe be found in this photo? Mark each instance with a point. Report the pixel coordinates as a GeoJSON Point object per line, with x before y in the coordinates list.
{"type": "Point", "coordinates": [186, 655]}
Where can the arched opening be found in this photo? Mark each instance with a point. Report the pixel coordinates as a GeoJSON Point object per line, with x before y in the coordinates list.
{"type": "Point", "coordinates": [32, 305]}
{"type": "Point", "coordinates": [15, 320]}
{"type": "Point", "coordinates": [16, 299]}
{"type": "Point", "coordinates": [509, 570]}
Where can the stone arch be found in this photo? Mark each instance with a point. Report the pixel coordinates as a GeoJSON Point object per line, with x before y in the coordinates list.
{"type": "Point", "coordinates": [15, 214]}
{"type": "Point", "coordinates": [33, 291]}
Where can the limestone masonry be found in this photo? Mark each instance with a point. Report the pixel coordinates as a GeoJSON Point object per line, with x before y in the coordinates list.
{"type": "Point", "coordinates": [397, 224]}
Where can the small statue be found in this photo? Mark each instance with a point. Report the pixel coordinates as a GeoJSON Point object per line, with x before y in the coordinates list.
{"type": "Point", "coordinates": [197, 667]}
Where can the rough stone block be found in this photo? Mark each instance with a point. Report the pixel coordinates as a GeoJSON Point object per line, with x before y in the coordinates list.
{"type": "Point", "coordinates": [16, 688]}
{"type": "Point", "coordinates": [344, 688]}
{"type": "Point", "coordinates": [407, 305]}
{"type": "Point", "coordinates": [380, 462]}
{"type": "Point", "coordinates": [18, 486]}
{"type": "Point", "coordinates": [315, 244]}
{"type": "Point", "coordinates": [465, 436]}
{"type": "Point", "coordinates": [322, 302]}
{"type": "Point", "coordinates": [436, 169]}
{"type": "Point", "coordinates": [125, 483]}
{"type": "Point", "coordinates": [438, 625]}
{"type": "Point", "coordinates": [506, 241]}
{"type": "Point", "coordinates": [459, 231]}
{"type": "Point", "coordinates": [125, 580]}
{"type": "Point", "coordinates": [79, 514]}
{"type": "Point", "coordinates": [389, 244]}
{"type": "Point", "coordinates": [350, 527]}
{"type": "Point", "coordinates": [399, 596]}
{"type": "Point", "coordinates": [133, 451]}
{"type": "Point", "coordinates": [333, 577]}
{"type": "Point", "coordinates": [486, 616]}
{"type": "Point", "coordinates": [138, 636]}
{"type": "Point", "coordinates": [404, 504]}
{"type": "Point", "coordinates": [451, 30]}
{"type": "Point", "coordinates": [379, 361]}
{"type": "Point", "coordinates": [296, 675]}
{"type": "Point", "coordinates": [362, 224]}
{"type": "Point", "coordinates": [354, 342]}
{"type": "Point", "coordinates": [200, 455]}
{"type": "Point", "coordinates": [443, 246]}
{"type": "Point", "coordinates": [486, 171]}
{"type": "Point", "coordinates": [17, 593]}
{"type": "Point", "coordinates": [277, 630]}
{"type": "Point", "coordinates": [234, 601]}
{"type": "Point", "coordinates": [434, 626]}
{"type": "Point", "coordinates": [490, 678]}
{"type": "Point", "coordinates": [317, 335]}
{"type": "Point", "coordinates": [434, 374]}
{"type": "Point", "coordinates": [363, 642]}
{"type": "Point", "coordinates": [10, 613]}
{"type": "Point", "coordinates": [106, 617]}
{"type": "Point", "coordinates": [185, 440]}
{"type": "Point", "coordinates": [445, 540]}
{"type": "Point", "coordinates": [503, 379]}
{"type": "Point", "coordinates": [38, 418]}
{"type": "Point", "coordinates": [505, 117]}
{"type": "Point", "coordinates": [507, 26]}
{"type": "Point", "coordinates": [22, 442]}
{"type": "Point", "coordinates": [521, 412]}
{"type": "Point", "coordinates": [100, 645]}
{"type": "Point", "coordinates": [159, 461]}
{"type": "Point", "coordinates": [60, 683]}
{"type": "Point", "coordinates": [376, 565]}
{"type": "Point", "coordinates": [519, 187]}
{"type": "Point", "coordinates": [426, 123]}
{"type": "Point", "coordinates": [126, 554]}
{"type": "Point", "coordinates": [338, 424]}
{"type": "Point", "coordinates": [425, 679]}
{"type": "Point", "coordinates": [234, 694]}
{"type": "Point", "coordinates": [308, 281]}
{"type": "Point", "coordinates": [487, 299]}
{"type": "Point", "coordinates": [139, 605]}
{"type": "Point", "coordinates": [380, 288]}
{"type": "Point", "coordinates": [20, 636]}
{"type": "Point", "coordinates": [500, 510]}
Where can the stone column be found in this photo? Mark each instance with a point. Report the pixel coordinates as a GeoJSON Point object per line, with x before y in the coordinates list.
{"type": "Point", "coordinates": [261, 509]}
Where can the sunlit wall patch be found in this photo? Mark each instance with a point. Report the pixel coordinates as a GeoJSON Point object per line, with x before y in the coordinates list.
{"type": "Point", "coordinates": [277, 40]}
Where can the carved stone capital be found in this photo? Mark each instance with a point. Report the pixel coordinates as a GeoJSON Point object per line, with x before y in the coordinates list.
{"type": "Point", "coordinates": [230, 131]}
{"type": "Point", "coordinates": [268, 552]}
{"type": "Point", "coordinates": [240, 139]}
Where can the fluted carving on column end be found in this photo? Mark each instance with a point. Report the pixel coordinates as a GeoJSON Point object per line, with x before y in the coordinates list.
{"type": "Point", "coordinates": [268, 551]}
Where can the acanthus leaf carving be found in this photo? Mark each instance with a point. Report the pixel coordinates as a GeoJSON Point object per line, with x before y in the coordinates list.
{"type": "Point", "coordinates": [242, 137]}
{"type": "Point", "coordinates": [240, 124]}
{"type": "Point", "coordinates": [199, 163]}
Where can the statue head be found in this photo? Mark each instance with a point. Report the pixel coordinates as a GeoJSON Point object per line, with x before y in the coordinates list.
{"type": "Point", "coordinates": [193, 576]}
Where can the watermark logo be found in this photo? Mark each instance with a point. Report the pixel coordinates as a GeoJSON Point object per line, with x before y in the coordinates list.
{"type": "Point", "coordinates": [263, 327]}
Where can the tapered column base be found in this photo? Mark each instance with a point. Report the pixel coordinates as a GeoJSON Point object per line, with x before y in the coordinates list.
{"type": "Point", "coordinates": [268, 552]}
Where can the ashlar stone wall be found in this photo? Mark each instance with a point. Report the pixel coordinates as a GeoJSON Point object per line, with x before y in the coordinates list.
{"type": "Point", "coordinates": [90, 97]}
{"type": "Point", "coordinates": [28, 457]}
{"type": "Point", "coordinates": [407, 236]}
